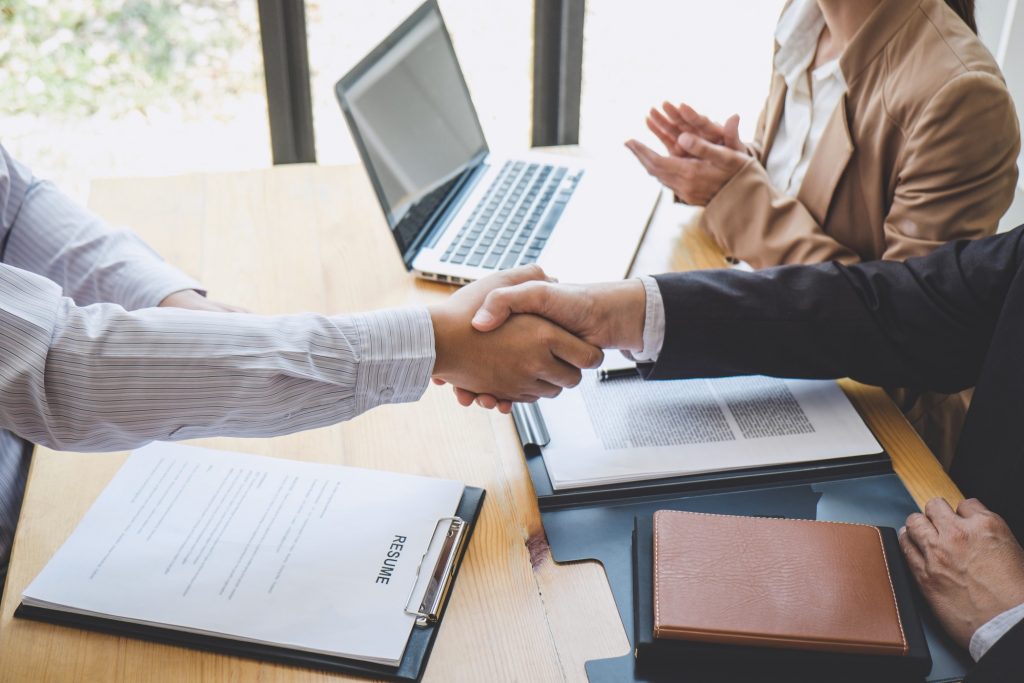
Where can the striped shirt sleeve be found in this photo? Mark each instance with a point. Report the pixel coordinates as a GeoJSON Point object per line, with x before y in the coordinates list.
{"type": "Point", "coordinates": [49, 234]}
{"type": "Point", "coordinates": [98, 377]}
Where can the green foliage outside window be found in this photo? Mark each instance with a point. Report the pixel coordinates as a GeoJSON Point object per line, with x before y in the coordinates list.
{"type": "Point", "coordinates": [80, 57]}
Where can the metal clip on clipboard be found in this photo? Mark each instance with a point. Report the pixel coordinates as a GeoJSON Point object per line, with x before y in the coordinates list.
{"type": "Point", "coordinates": [440, 579]}
{"type": "Point", "coordinates": [530, 425]}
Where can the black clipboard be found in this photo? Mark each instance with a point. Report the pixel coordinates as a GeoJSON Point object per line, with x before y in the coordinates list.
{"type": "Point", "coordinates": [596, 523]}
{"type": "Point", "coordinates": [411, 668]}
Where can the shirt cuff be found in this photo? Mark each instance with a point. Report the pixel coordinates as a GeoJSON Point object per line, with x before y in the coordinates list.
{"type": "Point", "coordinates": [654, 322]}
{"type": "Point", "coordinates": [994, 629]}
{"type": "Point", "coordinates": [396, 356]}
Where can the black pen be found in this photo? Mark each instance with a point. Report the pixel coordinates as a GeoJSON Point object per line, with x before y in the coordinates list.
{"type": "Point", "coordinates": [615, 373]}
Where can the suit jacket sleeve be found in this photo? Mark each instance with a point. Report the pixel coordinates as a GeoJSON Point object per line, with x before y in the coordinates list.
{"type": "Point", "coordinates": [924, 323]}
{"type": "Point", "coordinates": [1004, 661]}
{"type": "Point", "coordinates": [954, 179]}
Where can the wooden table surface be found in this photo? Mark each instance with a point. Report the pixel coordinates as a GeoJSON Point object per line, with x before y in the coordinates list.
{"type": "Point", "coordinates": [305, 237]}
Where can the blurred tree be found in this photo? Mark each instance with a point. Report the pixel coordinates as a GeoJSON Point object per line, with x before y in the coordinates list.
{"type": "Point", "coordinates": [80, 57]}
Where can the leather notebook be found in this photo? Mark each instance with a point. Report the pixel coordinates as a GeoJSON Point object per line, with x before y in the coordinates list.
{"type": "Point", "coordinates": [795, 596]}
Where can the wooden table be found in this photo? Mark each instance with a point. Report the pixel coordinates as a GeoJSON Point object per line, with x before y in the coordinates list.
{"type": "Point", "coordinates": [312, 238]}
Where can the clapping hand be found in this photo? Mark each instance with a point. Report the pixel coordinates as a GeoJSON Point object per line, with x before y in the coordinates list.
{"type": "Point", "coordinates": [702, 155]}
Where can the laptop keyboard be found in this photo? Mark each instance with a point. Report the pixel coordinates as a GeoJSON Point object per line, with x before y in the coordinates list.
{"type": "Point", "coordinates": [505, 229]}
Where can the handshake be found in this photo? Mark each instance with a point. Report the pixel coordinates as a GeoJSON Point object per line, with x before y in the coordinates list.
{"type": "Point", "coordinates": [519, 336]}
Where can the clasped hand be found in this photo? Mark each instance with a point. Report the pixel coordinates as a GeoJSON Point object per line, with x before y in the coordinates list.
{"type": "Point", "coordinates": [530, 337]}
{"type": "Point", "coordinates": [528, 358]}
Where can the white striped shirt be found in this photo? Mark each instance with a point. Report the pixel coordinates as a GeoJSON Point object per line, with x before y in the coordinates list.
{"type": "Point", "coordinates": [87, 363]}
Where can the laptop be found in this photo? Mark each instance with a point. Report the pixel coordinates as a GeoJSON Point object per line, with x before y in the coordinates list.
{"type": "Point", "coordinates": [458, 212]}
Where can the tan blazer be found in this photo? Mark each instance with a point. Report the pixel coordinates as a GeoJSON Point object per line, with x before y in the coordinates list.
{"type": "Point", "coordinates": [922, 150]}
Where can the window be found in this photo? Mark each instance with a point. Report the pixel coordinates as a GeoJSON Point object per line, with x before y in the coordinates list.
{"type": "Point", "coordinates": [131, 87]}
{"type": "Point", "coordinates": [715, 56]}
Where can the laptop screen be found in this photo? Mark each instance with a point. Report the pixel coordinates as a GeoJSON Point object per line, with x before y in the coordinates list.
{"type": "Point", "coordinates": [412, 117]}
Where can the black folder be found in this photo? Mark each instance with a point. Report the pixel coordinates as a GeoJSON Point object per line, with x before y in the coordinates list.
{"type": "Point", "coordinates": [411, 668]}
{"type": "Point", "coordinates": [597, 523]}
{"type": "Point", "coordinates": [725, 663]}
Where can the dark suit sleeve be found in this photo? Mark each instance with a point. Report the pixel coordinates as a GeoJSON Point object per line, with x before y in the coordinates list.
{"type": "Point", "coordinates": [925, 323]}
{"type": "Point", "coordinates": [1004, 661]}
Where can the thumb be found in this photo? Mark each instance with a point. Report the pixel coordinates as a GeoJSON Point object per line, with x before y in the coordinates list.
{"type": "Point", "coordinates": [499, 304]}
{"type": "Point", "coordinates": [731, 134]}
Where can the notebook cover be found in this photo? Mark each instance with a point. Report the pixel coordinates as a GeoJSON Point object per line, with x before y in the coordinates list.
{"type": "Point", "coordinates": [743, 659]}
{"type": "Point", "coordinates": [411, 668]}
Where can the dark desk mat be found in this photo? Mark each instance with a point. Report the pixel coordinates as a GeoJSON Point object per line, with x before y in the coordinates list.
{"type": "Point", "coordinates": [602, 532]}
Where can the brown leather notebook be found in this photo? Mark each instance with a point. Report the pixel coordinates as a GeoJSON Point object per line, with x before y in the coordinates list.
{"type": "Point", "coordinates": [782, 583]}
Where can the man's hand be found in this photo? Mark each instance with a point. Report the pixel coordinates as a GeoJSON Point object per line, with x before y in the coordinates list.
{"type": "Point", "coordinates": [968, 564]}
{"type": "Point", "coordinates": [189, 298]}
{"type": "Point", "coordinates": [526, 359]}
{"type": "Point", "coordinates": [608, 316]}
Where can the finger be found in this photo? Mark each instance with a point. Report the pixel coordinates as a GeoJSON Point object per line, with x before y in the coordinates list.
{"type": "Point", "coordinates": [970, 507]}
{"type": "Point", "coordinates": [632, 145]}
{"type": "Point", "coordinates": [731, 134]}
{"type": "Point", "coordinates": [939, 513]}
{"type": "Point", "coordinates": [487, 401]}
{"type": "Point", "coordinates": [464, 397]}
{"type": "Point", "coordinates": [651, 160]}
{"type": "Point", "coordinates": [702, 149]}
{"type": "Point", "coordinates": [920, 530]}
{"type": "Point", "coordinates": [438, 381]}
{"type": "Point", "coordinates": [499, 304]}
{"type": "Point", "coordinates": [913, 555]}
{"type": "Point", "coordinates": [559, 374]}
{"type": "Point", "coordinates": [674, 115]}
{"type": "Point", "coordinates": [707, 128]}
{"type": "Point", "coordinates": [505, 407]}
{"type": "Point", "coordinates": [521, 274]}
{"type": "Point", "coordinates": [664, 122]}
{"type": "Point", "coordinates": [666, 135]}
{"type": "Point", "coordinates": [545, 389]}
{"type": "Point", "coordinates": [576, 352]}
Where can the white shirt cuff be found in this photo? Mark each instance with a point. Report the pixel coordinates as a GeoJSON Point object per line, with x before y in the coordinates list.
{"type": "Point", "coordinates": [396, 356]}
{"type": "Point", "coordinates": [654, 322]}
{"type": "Point", "coordinates": [994, 629]}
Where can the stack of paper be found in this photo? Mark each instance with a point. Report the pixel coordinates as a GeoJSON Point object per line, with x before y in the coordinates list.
{"type": "Point", "coordinates": [627, 429]}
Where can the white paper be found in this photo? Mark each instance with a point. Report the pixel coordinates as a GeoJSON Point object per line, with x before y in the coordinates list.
{"type": "Point", "coordinates": [253, 548]}
{"type": "Point", "coordinates": [628, 429]}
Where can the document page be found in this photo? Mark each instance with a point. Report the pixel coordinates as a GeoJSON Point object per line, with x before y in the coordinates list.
{"type": "Point", "coordinates": [627, 429]}
{"type": "Point", "coordinates": [314, 557]}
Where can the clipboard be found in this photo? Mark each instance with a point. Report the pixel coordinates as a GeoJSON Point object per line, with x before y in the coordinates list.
{"type": "Point", "coordinates": [456, 532]}
{"type": "Point", "coordinates": [596, 523]}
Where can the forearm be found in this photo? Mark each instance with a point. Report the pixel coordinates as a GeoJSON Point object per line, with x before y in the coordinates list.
{"type": "Point", "coordinates": [925, 324]}
{"type": "Point", "coordinates": [51, 235]}
{"type": "Point", "coordinates": [102, 378]}
{"type": "Point", "coordinates": [756, 223]}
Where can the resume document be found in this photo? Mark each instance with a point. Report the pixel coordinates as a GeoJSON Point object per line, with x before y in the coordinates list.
{"type": "Point", "coordinates": [313, 557]}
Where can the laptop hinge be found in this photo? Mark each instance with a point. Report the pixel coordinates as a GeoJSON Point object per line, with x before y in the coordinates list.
{"type": "Point", "coordinates": [439, 220]}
